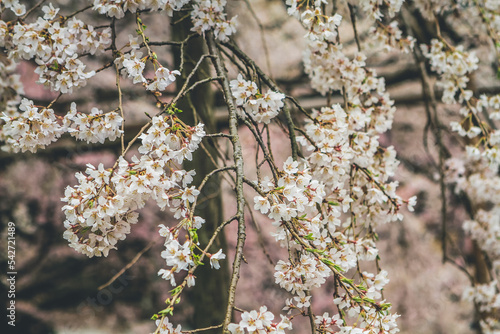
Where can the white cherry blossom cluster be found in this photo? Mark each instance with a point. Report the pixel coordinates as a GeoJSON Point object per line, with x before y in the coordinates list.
{"type": "Point", "coordinates": [373, 7]}
{"type": "Point", "coordinates": [294, 191]}
{"type": "Point", "coordinates": [118, 8]}
{"type": "Point", "coordinates": [476, 176]}
{"type": "Point", "coordinates": [94, 127]}
{"type": "Point", "coordinates": [101, 207]}
{"type": "Point", "coordinates": [210, 15]}
{"type": "Point", "coordinates": [177, 256]}
{"type": "Point", "coordinates": [260, 322]}
{"type": "Point", "coordinates": [262, 107]}
{"type": "Point", "coordinates": [304, 275]}
{"type": "Point", "coordinates": [476, 173]}
{"type": "Point", "coordinates": [28, 131]}
{"type": "Point", "coordinates": [355, 172]}
{"type": "Point", "coordinates": [390, 37]}
{"type": "Point", "coordinates": [453, 66]}
{"type": "Point", "coordinates": [97, 216]}
{"type": "Point", "coordinates": [318, 26]}
{"type": "Point", "coordinates": [491, 103]}
{"type": "Point", "coordinates": [341, 155]}
{"type": "Point", "coordinates": [485, 228]}
{"type": "Point", "coordinates": [485, 296]}
{"type": "Point", "coordinates": [11, 88]}
{"type": "Point", "coordinates": [324, 323]}
{"type": "Point", "coordinates": [133, 65]}
{"type": "Point", "coordinates": [491, 14]}
{"type": "Point", "coordinates": [55, 45]}
{"type": "Point", "coordinates": [28, 127]}
{"type": "Point", "coordinates": [331, 70]}
{"type": "Point", "coordinates": [162, 79]}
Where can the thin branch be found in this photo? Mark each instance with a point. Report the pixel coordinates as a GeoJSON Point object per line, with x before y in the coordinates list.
{"type": "Point", "coordinates": [266, 152]}
{"type": "Point", "coordinates": [262, 36]}
{"type": "Point", "coordinates": [205, 180]}
{"type": "Point", "coordinates": [184, 90]}
{"type": "Point", "coordinates": [32, 9]}
{"type": "Point", "coordinates": [203, 329]}
{"type": "Point", "coordinates": [130, 264]}
{"type": "Point", "coordinates": [77, 12]}
{"type": "Point", "coordinates": [352, 11]}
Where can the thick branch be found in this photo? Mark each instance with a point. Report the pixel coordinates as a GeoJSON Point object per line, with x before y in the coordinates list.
{"type": "Point", "coordinates": [238, 160]}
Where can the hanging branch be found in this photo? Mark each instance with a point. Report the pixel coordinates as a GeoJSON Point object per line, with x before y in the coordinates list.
{"type": "Point", "coordinates": [238, 161]}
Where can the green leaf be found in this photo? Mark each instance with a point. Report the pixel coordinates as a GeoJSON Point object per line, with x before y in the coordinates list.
{"type": "Point", "coordinates": [357, 299]}
{"type": "Point", "coordinates": [193, 235]}
{"type": "Point", "coordinates": [338, 268]}
{"type": "Point", "coordinates": [175, 290]}
{"type": "Point", "coordinates": [309, 237]}
{"type": "Point", "coordinates": [385, 306]}
{"type": "Point", "coordinates": [168, 310]}
{"type": "Point", "coordinates": [347, 281]}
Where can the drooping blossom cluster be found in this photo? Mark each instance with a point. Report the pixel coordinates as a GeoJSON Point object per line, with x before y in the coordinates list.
{"type": "Point", "coordinates": [386, 34]}
{"type": "Point", "coordinates": [484, 295]}
{"type": "Point", "coordinates": [210, 15]}
{"type": "Point", "coordinates": [326, 208]}
{"type": "Point", "coordinates": [453, 65]}
{"type": "Point", "coordinates": [33, 129]}
{"type": "Point", "coordinates": [29, 127]}
{"type": "Point", "coordinates": [475, 174]}
{"type": "Point", "coordinates": [133, 65]}
{"type": "Point", "coordinates": [102, 206]}
{"type": "Point", "coordinates": [374, 7]}
{"type": "Point", "coordinates": [205, 14]}
{"type": "Point", "coordinates": [11, 88]}
{"type": "Point", "coordinates": [55, 44]}
{"type": "Point", "coordinates": [260, 322]}
{"type": "Point", "coordinates": [118, 8]}
{"type": "Point", "coordinates": [94, 127]}
{"type": "Point", "coordinates": [261, 107]}
{"type": "Point", "coordinates": [330, 69]}
{"type": "Point", "coordinates": [389, 37]}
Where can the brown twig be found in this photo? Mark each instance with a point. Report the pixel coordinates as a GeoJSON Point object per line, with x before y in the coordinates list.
{"type": "Point", "coordinates": [130, 264]}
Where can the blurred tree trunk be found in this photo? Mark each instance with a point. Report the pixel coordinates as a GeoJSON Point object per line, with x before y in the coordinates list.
{"type": "Point", "coordinates": [208, 297]}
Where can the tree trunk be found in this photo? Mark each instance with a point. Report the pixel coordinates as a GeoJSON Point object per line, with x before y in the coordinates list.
{"type": "Point", "coordinates": [208, 297]}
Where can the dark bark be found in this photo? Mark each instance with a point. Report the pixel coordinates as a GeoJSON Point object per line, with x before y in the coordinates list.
{"type": "Point", "coordinates": [209, 296]}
